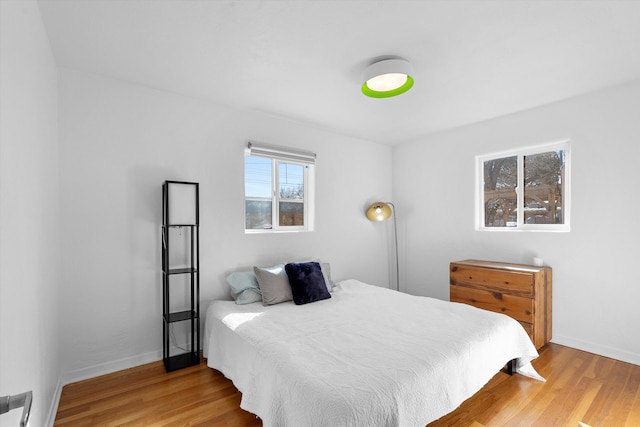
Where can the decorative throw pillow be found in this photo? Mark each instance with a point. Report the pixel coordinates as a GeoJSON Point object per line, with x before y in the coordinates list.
{"type": "Point", "coordinates": [243, 287]}
{"type": "Point", "coordinates": [307, 282]}
{"type": "Point", "coordinates": [274, 284]}
{"type": "Point", "coordinates": [326, 272]}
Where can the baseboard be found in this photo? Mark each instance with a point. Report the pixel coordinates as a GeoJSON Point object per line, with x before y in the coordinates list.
{"type": "Point", "coordinates": [109, 367]}
{"type": "Point", "coordinates": [55, 401]}
{"type": "Point", "coordinates": [613, 353]}
{"type": "Point", "coordinates": [96, 371]}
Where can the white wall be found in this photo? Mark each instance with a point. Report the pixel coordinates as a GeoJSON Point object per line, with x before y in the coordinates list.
{"type": "Point", "coordinates": [29, 212]}
{"type": "Point", "coordinates": [119, 142]}
{"type": "Point", "coordinates": [595, 288]}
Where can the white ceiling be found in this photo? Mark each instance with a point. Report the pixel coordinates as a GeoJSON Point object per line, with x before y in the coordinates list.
{"type": "Point", "coordinates": [472, 60]}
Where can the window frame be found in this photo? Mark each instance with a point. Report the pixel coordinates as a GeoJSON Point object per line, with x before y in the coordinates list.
{"type": "Point", "coordinates": [308, 199]}
{"type": "Point", "coordinates": [520, 154]}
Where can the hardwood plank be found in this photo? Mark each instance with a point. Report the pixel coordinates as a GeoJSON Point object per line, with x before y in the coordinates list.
{"type": "Point", "coordinates": [633, 419]}
{"type": "Point", "coordinates": [586, 394]}
{"type": "Point", "coordinates": [551, 409]}
{"type": "Point", "coordinates": [611, 400]}
{"type": "Point", "coordinates": [581, 389]}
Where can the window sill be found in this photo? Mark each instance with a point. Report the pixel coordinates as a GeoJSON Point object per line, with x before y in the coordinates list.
{"type": "Point", "coordinates": [564, 229]}
{"type": "Point", "coordinates": [271, 231]}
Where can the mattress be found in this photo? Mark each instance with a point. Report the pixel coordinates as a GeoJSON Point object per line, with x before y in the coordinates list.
{"type": "Point", "coordinates": [368, 356]}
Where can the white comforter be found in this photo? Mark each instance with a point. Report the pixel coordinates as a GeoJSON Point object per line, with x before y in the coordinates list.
{"type": "Point", "coordinates": [368, 356]}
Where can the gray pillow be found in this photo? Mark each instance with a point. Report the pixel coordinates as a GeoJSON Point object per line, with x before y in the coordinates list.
{"type": "Point", "coordinates": [326, 272]}
{"type": "Point", "coordinates": [274, 284]}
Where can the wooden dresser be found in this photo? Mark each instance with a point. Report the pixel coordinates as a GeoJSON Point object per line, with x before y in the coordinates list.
{"type": "Point", "coordinates": [520, 291]}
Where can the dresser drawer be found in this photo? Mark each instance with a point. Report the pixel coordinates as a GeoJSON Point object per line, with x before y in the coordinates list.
{"type": "Point", "coordinates": [528, 327]}
{"type": "Point", "coordinates": [505, 281]}
{"type": "Point", "coordinates": [520, 308]}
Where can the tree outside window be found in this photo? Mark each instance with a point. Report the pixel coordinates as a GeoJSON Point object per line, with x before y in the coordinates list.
{"type": "Point", "coordinates": [541, 173]}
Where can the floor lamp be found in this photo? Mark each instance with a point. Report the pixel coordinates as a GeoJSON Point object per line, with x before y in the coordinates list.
{"type": "Point", "coordinates": [379, 211]}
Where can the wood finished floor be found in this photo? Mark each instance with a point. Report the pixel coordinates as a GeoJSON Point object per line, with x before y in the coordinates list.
{"type": "Point", "coordinates": [582, 389]}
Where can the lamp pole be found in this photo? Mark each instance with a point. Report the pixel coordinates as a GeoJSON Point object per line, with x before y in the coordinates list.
{"type": "Point", "coordinates": [379, 211]}
{"type": "Point", "coordinates": [395, 235]}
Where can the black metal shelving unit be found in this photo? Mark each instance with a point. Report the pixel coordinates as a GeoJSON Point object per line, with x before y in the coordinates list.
{"type": "Point", "coordinates": [180, 242]}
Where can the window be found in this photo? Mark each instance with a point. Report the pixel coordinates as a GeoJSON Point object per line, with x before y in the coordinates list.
{"type": "Point", "coordinates": [541, 172]}
{"type": "Point", "coordinates": [278, 189]}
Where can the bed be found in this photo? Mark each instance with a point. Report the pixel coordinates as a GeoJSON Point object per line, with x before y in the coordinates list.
{"type": "Point", "coordinates": [367, 356]}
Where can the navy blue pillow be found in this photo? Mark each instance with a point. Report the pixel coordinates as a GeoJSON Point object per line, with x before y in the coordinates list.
{"type": "Point", "coordinates": [307, 282]}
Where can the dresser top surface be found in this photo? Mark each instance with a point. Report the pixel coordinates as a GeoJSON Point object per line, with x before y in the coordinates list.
{"type": "Point", "coordinates": [502, 265]}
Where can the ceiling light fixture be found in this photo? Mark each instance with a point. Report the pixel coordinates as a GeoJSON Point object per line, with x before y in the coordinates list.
{"type": "Point", "coordinates": [387, 78]}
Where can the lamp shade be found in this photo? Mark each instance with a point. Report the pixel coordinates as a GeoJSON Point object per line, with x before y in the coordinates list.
{"type": "Point", "coordinates": [182, 205]}
{"type": "Point", "coordinates": [379, 211]}
{"type": "Point", "coordinates": [387, 78]}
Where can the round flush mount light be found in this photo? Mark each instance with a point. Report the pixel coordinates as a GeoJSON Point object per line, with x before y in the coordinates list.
{"type": "Point", "coordinates": [387, 78]}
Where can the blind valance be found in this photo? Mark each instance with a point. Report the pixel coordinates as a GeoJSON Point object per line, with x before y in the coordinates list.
{"type": "Point", "coordinates": [281, 153]}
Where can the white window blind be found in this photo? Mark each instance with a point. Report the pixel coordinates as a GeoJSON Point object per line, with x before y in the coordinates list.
{"type": "Point", "coordinates": [281, 153]}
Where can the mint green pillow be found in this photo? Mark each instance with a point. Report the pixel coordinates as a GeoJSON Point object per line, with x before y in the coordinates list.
{"type": "Point", "coordinates": [243, 287]}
